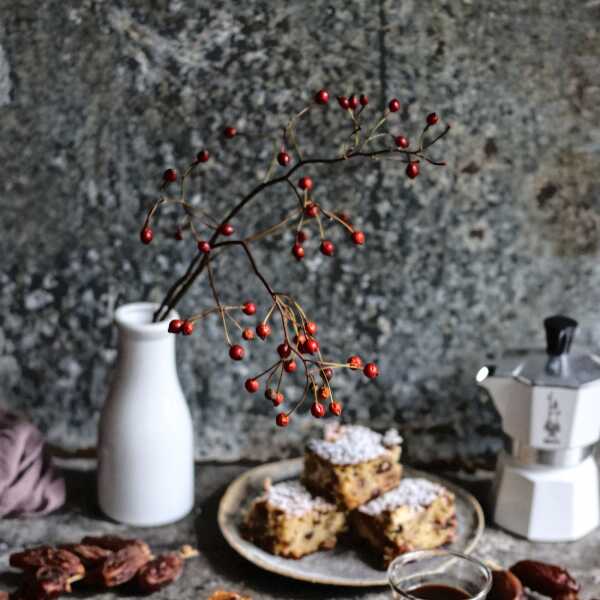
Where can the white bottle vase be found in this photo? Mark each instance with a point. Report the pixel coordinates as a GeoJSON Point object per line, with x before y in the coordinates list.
{"type": "Point", "coordinates": [145, 441]}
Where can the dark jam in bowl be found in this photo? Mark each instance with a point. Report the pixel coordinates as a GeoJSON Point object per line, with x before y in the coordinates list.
{"type": "Point", "coordinates": [438, 592]}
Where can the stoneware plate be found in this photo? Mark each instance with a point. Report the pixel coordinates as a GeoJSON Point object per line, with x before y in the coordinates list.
{"type": "Point", "coordinates": [344, 565]}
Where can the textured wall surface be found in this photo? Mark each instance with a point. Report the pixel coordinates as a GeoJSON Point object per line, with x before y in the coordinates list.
{"type": "Point", "coordinates": [98, 98]}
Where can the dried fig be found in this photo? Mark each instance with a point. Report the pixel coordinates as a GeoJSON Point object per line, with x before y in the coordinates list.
{"type": "Point", "coordinates": [45, 556]}
{"type": "Point", "coordinates": [120, 567]}
{"type": "Point", "coordinates": [159, 572]}
{"type": "Point", "coordinates": [46, 582]}
{"type": "Point", "coordinates": [546, 579]}
{"type": "Point", "coordinates": [90, 556]}
{"type": "Point", "coordinates": [115, 543]}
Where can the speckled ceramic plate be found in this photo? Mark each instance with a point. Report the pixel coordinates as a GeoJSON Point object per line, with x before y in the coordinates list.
{"type": "Point", "coordinates": [344, 565]}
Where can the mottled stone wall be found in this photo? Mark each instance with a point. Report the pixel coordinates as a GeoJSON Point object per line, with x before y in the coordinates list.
{"type": "Point", "coordinates": [97, 98]}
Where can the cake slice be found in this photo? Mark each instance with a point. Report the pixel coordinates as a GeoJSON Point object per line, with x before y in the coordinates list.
{"type": "Point", "coordinates": [352, 464]}
{"type": "Point", "coordinates": [416, 515]}
{"type": "Point", "coordinates": [288, 521]}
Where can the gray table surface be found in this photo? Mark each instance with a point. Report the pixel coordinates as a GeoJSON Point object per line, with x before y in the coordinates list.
{"type": "Point", "coordinates": [219, 567]}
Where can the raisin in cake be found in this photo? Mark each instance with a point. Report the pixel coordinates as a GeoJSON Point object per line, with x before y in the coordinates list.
{"type": "Point", "coordinates": [417, 515]}
{"type": "Point", "coordinates": [288, 521]}
{"type": "Point", "coordinates": [352, 464]}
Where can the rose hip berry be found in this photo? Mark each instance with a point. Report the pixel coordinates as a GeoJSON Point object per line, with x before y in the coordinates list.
{"type": "Point", "coordinates": [263, 330]}
{"type": "Point", "coordinates": [432, 118]}
{"type": "Point", "coordinates": [353, 102]}
{"type": "Point", "coordinates": [364, 100]}
{"type": "Point", "coordinates": [175, 326]}
{"type": "Point", "coordinates": [249, 308]}
{"type": "Point", "coordinates": [202, 156]}
{"type": "Point", "coordinates": [252, 385]}
{"type": "Point", "coordinates": [230, 132]}
{"type": "Point", "coordinates": [413, 169]}
{"type": "Point", "coordinates": [327, 248]}
{"type": "Point", "coordinates": [170, 175]}
{"type": "Point", "coordinates": [335, 408]}
{"type": "Point", "coordinates": [343, 102]}
{"type": "Point", "coordinates": [355, 362]}
{"type": "Point", "coordinates": [146, 235]}
{"type": "Point", "coordinates": [226, 229]}
{"type": "Point", "coordinates": [204, 246]}
{"type": "Point", "coordinates": [236, 352]}
{"type": "Point", "coordinates": [401, 142]}
{"type": "Point", "coordinates": [394, 105]}
{"type": "Point", "coordinates": [358, 237]}
{"type": "Point", "coordinates": [327, 374]}
{"type": "Point", "coordinates": [248, 334]}
{"type": "Point", "coordinates": [187, 327]}
{"type": "Point", "coordinates": [311, 346]}
{"type": "Point", "coordinates": [305, 183]}
{"type": "Point", "coordinates": [290, 366]}
{"type": "Point", "coordinates": [301, 236]}
{"type": "Point", "coordinates": [298, 251]}
{"type": "Point", "coordinates": [282, 420]}
{"type": "Point", "coordinates": [311, 210]}
{"type": "Point", "coordinates": [322, 97]}
{"type": "Point", "coordinates": [371, 370]}
{"type": "Point", "coordinates": [284, 350]}
{"type": "Point", "coordinates": [324, 392]}
{"type": "Point", "coordinates": [317, 410]}
{"type": "Point", "coordinates": [311, 327]}
{"type": "Point", "coordinates": [283, 158]}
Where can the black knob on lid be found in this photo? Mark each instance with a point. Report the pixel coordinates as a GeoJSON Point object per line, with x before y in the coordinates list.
{"type": "Point", "coordinates": [559, 334]}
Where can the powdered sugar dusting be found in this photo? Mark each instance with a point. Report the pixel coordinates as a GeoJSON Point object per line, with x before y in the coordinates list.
{"type": "Point", "coordinates": [353, 444]}
{"type": "Point", "coordinates": [293, 498]}
{"type": "Point", "coordinates": [415, 492]}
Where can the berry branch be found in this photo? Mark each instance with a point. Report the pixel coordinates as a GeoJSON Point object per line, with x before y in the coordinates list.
{"type": "Point", "coordinates": [299, 344]}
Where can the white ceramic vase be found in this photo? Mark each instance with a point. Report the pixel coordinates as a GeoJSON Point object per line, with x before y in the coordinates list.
{"type": "Point", "coordinates": [145, 441]}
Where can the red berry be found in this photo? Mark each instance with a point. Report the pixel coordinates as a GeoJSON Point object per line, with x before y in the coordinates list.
{"type": "Point", "coordinates": [358, 237]}
{"type": "Point", "coordinates": [298, 251]}
{"type": "Point", "coordinates": [248, 334]}
{"type": "Point", "coordinates": [432, 119]}
{"type": "Point", "coordinates": [412, 169]}
{"type": "Point", "coordinates": [249, 308]}
{"type": "Point", "coordinates": [327, 248]}
{"type": "Point", "coordinates": [371, 370]}
{"type": "Point", "coordinates": [311, 210]}
{"type": "Point", "coordinates": [279, 398]}
{"type": "Point", "coordinates": [327, 374]}
{"type": "Point", "coordinates": [335, 408]}
{"type": "Point", "coordinates": [283, 158]}
{"type": "Point", "coordinates": [170, 175]}
{"type": "Point", "coordinates": [355, 362]}
{"type": "Point", "coordinates": [263, 330]}
{"type": "Point", "coordinates": [353, 102]}
{"type": "Point", "coordinates": [282, 420]}
{"type": "Point", "coordinates": [236, 352]}
{"type": "Point", "coordinates": [344, 216]}
{"type": "Point", "coordinates": [301, 236]}
{"type": "Point", "coordinates": [284, 350]}
{"type": "Point", "coordinates": [270, 394]}
{"type": "Point", "coordinates": [175, 326]}
{"type": "Point", "coordinates": [226, 229]}
{"type": "Point", "coordinates": [364, 100]}
{"type": "Point", "coordinates": [290, 366]}
{"type": "Point", "coordinates": [401, 141]}
{"type": "Point", "coordinates": [252, 385]}
{"type": "Point", "coordinates": [204, 246]}
{"type": "Point", "coordinates": [178, 234]}
{"type": "Point", "coordinates": [394, 105]}
{"type": "Point", "coordinates": [230, 132]}
{"type": "Point", "coordinates": [203, 156]}
{"type": "Point", "coordinates": [187, 327]}
{"type": "Point", "coordinates": [305, 183]}
{"type": "Point", "coordinates": [324, 392]}
{"type": "Point", "coordinates": [343, 102]}
{"type": "Point", "coordinates": [317, 410]}
{"type": "Point", "coordinates": [311, 346]}
{"type": "Point", "coordinates": [322, 97]}
{"type": "Point", "coordinates": [311, 327]}
{"type": "Point", "coordinates": [146, 235]}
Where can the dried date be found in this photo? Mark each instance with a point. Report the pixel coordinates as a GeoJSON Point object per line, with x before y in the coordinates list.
{"type": "Point", "coordinates": [47, 582]}
{"type": "Point", "coordinates": [45, 556]}
{"type": "Point", "coordinates": [115, 543]}
{"type": "Point", "coordinates": [546, 579]}
{"type": "Point", "coordinates": [90, 556]}
{"type": "Point", "coordinates": [505, 586]}
{"type": "Point", "coordinates": [159, 572]}
{"type": "Point", "coordinates": [120, 567]}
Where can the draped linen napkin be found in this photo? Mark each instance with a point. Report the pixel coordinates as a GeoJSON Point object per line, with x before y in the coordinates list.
{"type": "Point", "coordinates": [28, 484]}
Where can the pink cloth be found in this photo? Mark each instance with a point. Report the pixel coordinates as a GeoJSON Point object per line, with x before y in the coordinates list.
{"type": "Point", "coordinates": [28, 484]}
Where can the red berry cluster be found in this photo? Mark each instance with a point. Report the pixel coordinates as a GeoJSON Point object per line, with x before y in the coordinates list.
{"type": "Point", "coordinates": [298, 349]}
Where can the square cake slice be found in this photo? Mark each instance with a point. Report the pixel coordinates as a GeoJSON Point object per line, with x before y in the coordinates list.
{"type": "Point", "coordinates": [352, 464]}
{"type": "Point", "coordinates": [417, 515]}
{"type": "Point", "coordinates": [288, 521]}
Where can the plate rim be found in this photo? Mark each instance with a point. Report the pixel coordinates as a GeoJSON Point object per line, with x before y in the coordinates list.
{"type": "Point", "coordinates": [232, 537]}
